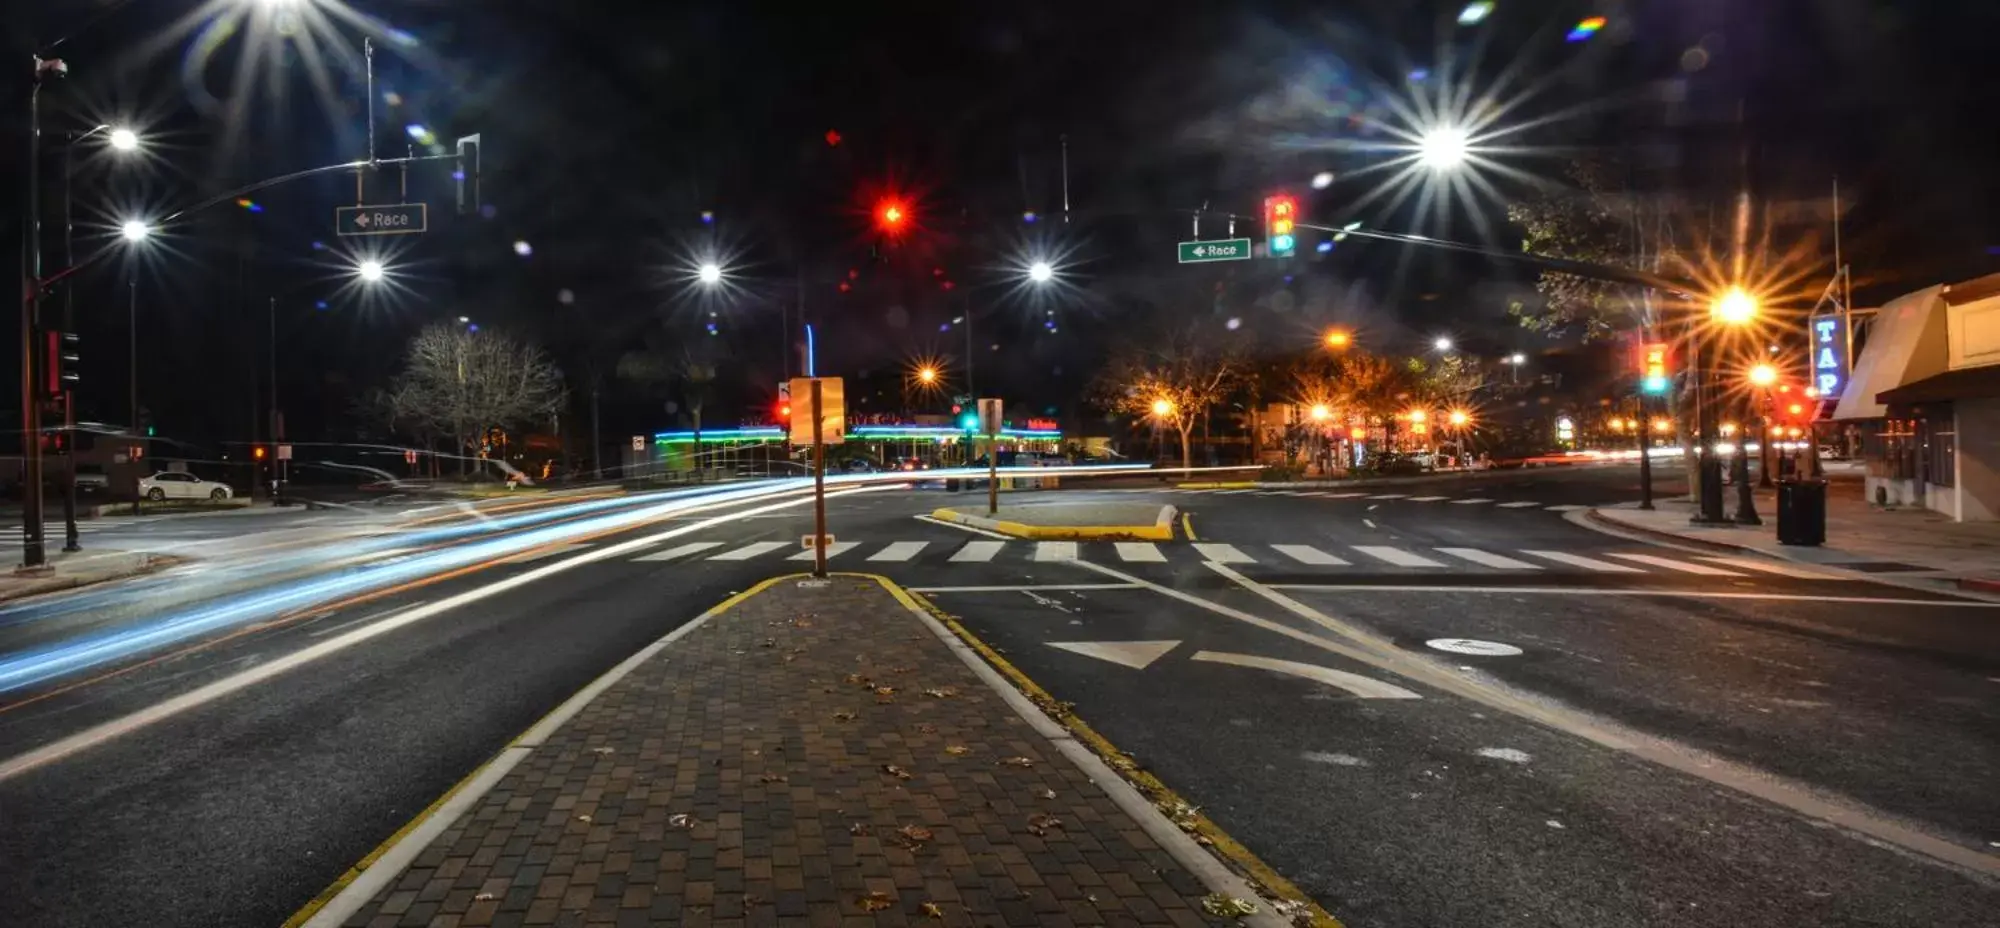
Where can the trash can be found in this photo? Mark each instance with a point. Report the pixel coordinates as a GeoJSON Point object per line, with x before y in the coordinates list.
{"type": "Point", "coordinates": [1802, 512]}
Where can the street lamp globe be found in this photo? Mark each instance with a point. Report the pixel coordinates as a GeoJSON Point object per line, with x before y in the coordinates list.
{"type": "Point", "coordinates": [135, 230]}
{"type": "Point", "coordinates": [1336, 338]}
{"type": "Point", "coordinates": [1040, 272]}
{"type": "Point", "coordinates": [1517, 358]}
{"type": "Point", "coordinates": [709, 273]}
{"type": "Point", "coordinates": [1320, 413]}
{"type": "Point", "coordinates": [927, 374]}
{"type": "Point", "coordinates": [370, 270]}
{"type": "Point", "coordinates": [124, 140]}
{"type": "Point", "coordinates": [1163, 406]}
{"type": "Point", "coordinates": [1734, 307]}
{"type": "Point", "coordinates": [1443, 148]}
{"type": "Point", "coordinates": [1763, 375]}
{"type": "Point", "coordinates": [1442, 344]}
{"type": "Point", "coordinates": [1459, 418]}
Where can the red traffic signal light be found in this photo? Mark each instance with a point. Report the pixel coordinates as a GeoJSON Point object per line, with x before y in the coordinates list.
{"type": "Point", "coordinates": [1281, 213]}
{"type": "Point", "coordinates": [892, 215]}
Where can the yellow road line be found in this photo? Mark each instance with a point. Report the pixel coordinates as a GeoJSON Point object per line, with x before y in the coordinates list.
{"type": "Point", "coordinates": [1180, 811]}
{"type": "Point", "coordinates": [1187, 527]}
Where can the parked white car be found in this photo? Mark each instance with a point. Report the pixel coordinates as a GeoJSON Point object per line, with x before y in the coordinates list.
{"type": "Point", "coordinates": [176, 485]}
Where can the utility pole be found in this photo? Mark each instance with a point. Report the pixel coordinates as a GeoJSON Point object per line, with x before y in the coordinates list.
{"type": "Point", "coordinates": [68, 395]}
{"type": "Point", "coordinates": [132, 381]}
{"type": "Point", "coordinates": [33, 554]}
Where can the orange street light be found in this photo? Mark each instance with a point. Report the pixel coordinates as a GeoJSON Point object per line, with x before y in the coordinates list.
{"type": "Point", "coordinates": [1357, 433]}
{"type": "Point", "coordinates": [1320, 413]}
{"type": "Point", "coordinates": [1662, 425]}
{"type": "Point", "coordinates": [1338, 339]}
{"type": "Point", "coordinates": [1734, 307]}
{"type": "Point", "coordinates": [1163, 406]}
{"type": "Point", "coordinates": [1418, 416]}
{"type": "Point", "coordinates": [1616, 424]}
{"type": "Point", "coordinates": [1728, 428]}
{"type": "Point", "coordinates": [1458, 418]}
{"type": "Point", "coordinates": [1795, 409]}
{"type": "Point", "coordinates": [1763, 375]}
{"type": "Point", "coordinates": [927, 374]}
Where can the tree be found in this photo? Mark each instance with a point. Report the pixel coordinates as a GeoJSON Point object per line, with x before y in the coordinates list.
{"type": "Point", "coordinates": [462, 382]}
{"type": "Point", "coordinates": [1173, 380]}
{"type": "Point", "coordinates": [1598, 221]}
{"type": "Point", "coordinates": [670, 368]}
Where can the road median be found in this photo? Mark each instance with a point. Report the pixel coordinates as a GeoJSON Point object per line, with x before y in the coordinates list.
{"type": "Point", "coordinates": [751, 767]}
{"type": "Point", "coordinates": [70, 571]}
{"type": "Point", "coordinates": [1067, 522]}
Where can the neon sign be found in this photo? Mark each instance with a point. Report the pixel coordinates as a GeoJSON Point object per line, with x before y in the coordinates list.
{"type": "Point", "coordinates": [1829, 354]}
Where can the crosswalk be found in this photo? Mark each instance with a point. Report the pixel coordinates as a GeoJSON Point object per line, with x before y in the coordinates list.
{"type": "Point", "coordinates": [1374, 497]}
{"type": "Point", "coordinates": [1287, 556]}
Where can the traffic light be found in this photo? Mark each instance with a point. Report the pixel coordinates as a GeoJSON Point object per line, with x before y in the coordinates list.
{"type": "Point", "coordinates": [257, 452]}
{"type": "Point", "coordinates": [1281, 214]}
{"type": "Point", "coordinates": [892, 216]}
{"type": "Point", "coordinates": [969, 421]}
{"type": "Point", "coordinates": [59, 367]}
{"type": "Point", "coordinates": [1655, 379]}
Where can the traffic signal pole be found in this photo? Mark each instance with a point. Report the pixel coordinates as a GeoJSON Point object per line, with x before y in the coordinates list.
{"type": "Point", "coordinates": [33, 554]}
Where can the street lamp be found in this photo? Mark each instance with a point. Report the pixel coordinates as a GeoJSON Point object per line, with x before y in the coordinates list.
{"type": "Point", "coordinates": [135, 230]}
{"type": "Point", "coordinates": [1443, 148]}
{"type": "Point", "coordinates": [709, 273]}
{"type": "Point", "coordinates": [1763, 375]}
{"type": "Point", "coordinates": [1458, 418]}
{"type": "Point", "coordinates": [1338, 339]}
{"type": "Point", "coordinates": [1321, 413]}
{"type": "Point", "coordinates": [370, 270]}
{"type": "Point", "coordinates": [1734, 307]}
{"type": "Point", "coordinates": [1442, 344]}
{"type": "Point", "coordinates": [1040, 272]}
{"type": "Point", "coordinates": [124, 139]}
{"type": "Point", "coordinates": [1163, 407]}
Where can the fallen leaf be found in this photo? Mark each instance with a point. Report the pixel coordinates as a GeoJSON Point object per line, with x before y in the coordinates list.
{"type": "Point", "coordinates": [606, 750]}
{"type": "Point", "coordinates": [955, 749]}
{"type": "Point", "coordinates": [915, 832]}
{"type": "Point", "coordinates": [858, 828]}
{"type": "Point", "coordinates": [876, 902]}
{"type": "Point", "coordinates": [773, 778]}
{"type": "Point", "coordinates": [1047, 794]}
{"type": "Point", "coordinates": [926, 728]}
{"type": "Point", "coordinates": [680, 820]}
{"type": "Point", "coordinates": [1227, 906]}
{"type": "Point", "coordinates": [482, 897]}
{"type": "Point", "coordinates": [895, 771]}
{"type": "Point", "coordinates": [843, 716]}
{"type": "Point", "coordinates": [751, 902]}
{"type": "Point", "coordinates": [931, 909]}
{"type": "Point", "coordinates": [941, 692]}
{"type": "Point", "coordinates": [770, 643]}
{"type": "Point", "coordinates": [857, 679]}
{"type": "Point", "coordinates": [885, 691]}
{"type": "Point", "coordinates": [584, 819]}
{"type": "Point", "coordinates": [1016, 762]}
{"type": "Point", "coordinates": [1044, 821]}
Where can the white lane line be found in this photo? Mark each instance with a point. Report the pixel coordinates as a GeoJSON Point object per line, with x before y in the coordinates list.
{"type": "Point", "coordinates": [1565, 508]}
{"type": "Point", "coordinates": [1587, 563]}
{"type": "Point", "coordinates": [1397, 556]}
{"type": "Point", "coordinates": [1517, 504]}
{"type": "Point", "coordinates": [350, 623]}
{"type": "Point", "coordinates": [1223, 554]}
{"type": "Point", "coordinates": [834, 550]}
{"type": "Point", "coordinates": [1426, 499]}
{"type": "Point", "coordinates": [692, 547]}
{"type": "Point", "coordinates": [1038, 588]}
{"type": "Point", "coordinates": [1320, 494]}
{"type": "Point", "coordinates": [1140, 552]}
{"type": "Point", "coordinates": [1234, 492]}
{"type": "Point", "coordinates": [1389, 496]}
{"type": "Point", "coordinates": [1670, 594]}
{"type": "Point", "coordinates": [1470, 502]}
{"type": "Point", "coordinates": [1307, 554]}
{"type": "Point", "coordinates": [750, 550]}
{"type": "Point", "coordinates": [1671, 564]}
{"type": "Point", "coordinates": [195, 698]}
{"type": "Point", "coordinates": [529, 557]}
{"type": "Point", "coordinates": [899, 551]}
{"type": "Point", "coordinates": [1055, 550]}
{"type": "Point", "coordinates": [1353, 683]}
{"type": "Point", "coordinates": [1770, 567]}
{"type": "Point", "coordinates": [1490, 559]}
{"type": "Point", "coordinates": [978, 551]}
{"type": "Point", "coordinates": [1344, 495]}
{"type": "Point", "coordinates": [962, 528]}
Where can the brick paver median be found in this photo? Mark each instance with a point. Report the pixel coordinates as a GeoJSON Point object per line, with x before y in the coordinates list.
{"type": "Point", "coordinates": [810, 757]}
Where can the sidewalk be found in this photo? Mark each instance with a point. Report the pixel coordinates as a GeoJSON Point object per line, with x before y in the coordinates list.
{"type": "Point", "coordinates": [1902, 543]}
{"type": "Point", "coordinates": [818, 756]}
{"type": "Point", "coordinates": [1051, 519]}
{"type": "Point", "coordinates": [67, 571]}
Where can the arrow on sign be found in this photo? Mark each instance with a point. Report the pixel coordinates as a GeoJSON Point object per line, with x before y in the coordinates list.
{"type": "Point", "coordinates": [1134, 654]}
{"type": "Point", "coordinates": [361, 219]}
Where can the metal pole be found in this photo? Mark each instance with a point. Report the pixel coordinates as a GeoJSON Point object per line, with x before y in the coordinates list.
{"type": "Point", "coordinates": [70, 541]}
{"type": "Point", "coordinates": [1767, 456]}
{"type": "Point", "coordinates": [968, 349]}
{"type": "Point", "coordinates": [819, 485]}
{"type": "Point", "coordinates": [280, 468]}
{"type": "Point", "coordinates": [992, 474]}
{"type": "Point", "coordinates": [32, 553]}
{"type": "Point", "coordinates": [1640, 429]}
{"type": "Point", "coordinates": [1708, 472]}
{"type": "Point", "coordinates": [1746, 504]}
{"type": "Point", "coordinates": [132, 380]}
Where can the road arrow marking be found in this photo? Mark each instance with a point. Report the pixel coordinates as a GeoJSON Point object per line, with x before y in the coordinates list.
{"type": "Point", "coordinates": [1137, 655]}
{"type": "Point", "coordinates": [1353, 683]}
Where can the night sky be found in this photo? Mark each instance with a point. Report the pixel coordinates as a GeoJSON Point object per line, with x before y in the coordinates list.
{"type": "Point", "coordinates": [609, 129]}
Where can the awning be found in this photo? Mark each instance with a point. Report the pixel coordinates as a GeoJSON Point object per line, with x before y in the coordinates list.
{"type": "Point", "coordinates": [1966, 383]}
{"type": "Point", "coordinates": [1906, 344]}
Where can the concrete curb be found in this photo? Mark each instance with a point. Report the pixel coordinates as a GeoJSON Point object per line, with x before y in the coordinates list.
{"type": "Point", "coordinates": [1162, 528]}
{"type": "Point", "coordinates": [147, 562]}
{"type": "Point", "coordinates": [1970, 587]}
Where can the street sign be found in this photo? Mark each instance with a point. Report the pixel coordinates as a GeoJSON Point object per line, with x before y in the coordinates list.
{"type": "Point", "coordinates": [833, 411]}
{"type": "Point", "coordinates": [989, 417]}
{"type": "Point", "coordinates": [1226, 249]}
{"type": "Point", "coordinates": [284, 452]}
{"type": "Point", "coordinates": [387, 219]}
{"type": "Point", "coordinates": [638, 442]}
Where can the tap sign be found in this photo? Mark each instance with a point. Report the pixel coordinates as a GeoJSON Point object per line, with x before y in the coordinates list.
{"type": "Point", "coordinates": [1829, 354]}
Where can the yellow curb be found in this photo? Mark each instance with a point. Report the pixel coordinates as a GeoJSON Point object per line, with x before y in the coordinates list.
{"type": "Point", "coordinates": [1158, 531]}
{"type": "Point", "coordinates": [1223, 485]}
{"type": "Point", "coordinates": [1163, 797]}
{"type": "Point", "coordinates": [1187, 527]}
{"type": "Point", "coordinates": [311, 908]}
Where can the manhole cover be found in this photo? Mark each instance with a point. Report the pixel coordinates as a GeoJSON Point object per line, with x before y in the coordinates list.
{"type": "Point", "coordinates": [1473, 646]}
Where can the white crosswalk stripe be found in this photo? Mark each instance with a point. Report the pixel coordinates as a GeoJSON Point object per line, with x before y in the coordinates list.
{"type": "Point", "coordinates": [1055, 551]}
{"type": "Point", "coordinates": [1517, 504]}
{"type": "Point", "coordinates": [1682, 566]}
{"type": "Point", "coordinates": [1489, 559]}
{"type": "Point", "coordinates": [1140, 552]}
{"type": "Point", "coordinates": [749, 551]}
{"type": "Point", "coordinates": [1470, 502]}
{"type": "Point", "coordinates": [834, 550]}
{"type": "Point", "coordinates": [1564, 508]}
{"type": "Point", "coordinates": [1223, 554]}
{"type": "Point", "coordinates": [900, 551]}
{"type": "Point", "coordinates": [1587, 563]}
{"type": "Point", "coordinates": [1389, 496]}
{"type": "Point", "coordinates": [978, 551]}
{"type": "Point", "coordinates": [693, 547]}
{"type": "Point", "coordinates": [1307, 554]}
{"type": "Point", "coordinates": [1397, 556]}
{"type": "Point", "coordinates": [1770, 567]}
{"type": "Point", "coordinates": [1426, 499]}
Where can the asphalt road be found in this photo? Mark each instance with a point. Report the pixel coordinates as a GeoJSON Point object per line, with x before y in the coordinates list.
{"type": "Point", "coordinates": [1664, 749]}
